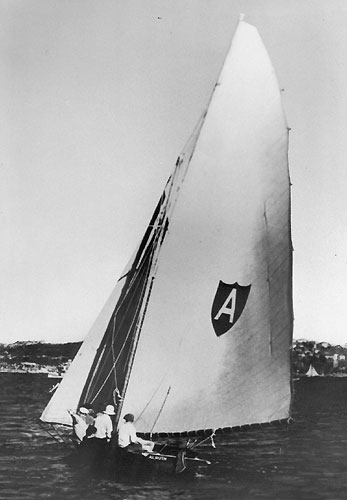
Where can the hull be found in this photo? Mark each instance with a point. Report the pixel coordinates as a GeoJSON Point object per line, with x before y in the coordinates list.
{"type": "Point", "coordinates": [120, 462]}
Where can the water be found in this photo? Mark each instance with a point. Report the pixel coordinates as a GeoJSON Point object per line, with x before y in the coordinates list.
{"type": "Point", "coordinates": [303, 461]}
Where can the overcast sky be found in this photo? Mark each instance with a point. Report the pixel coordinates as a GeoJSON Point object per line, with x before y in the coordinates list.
{"type": "Point", "coordinates": [97, 99]}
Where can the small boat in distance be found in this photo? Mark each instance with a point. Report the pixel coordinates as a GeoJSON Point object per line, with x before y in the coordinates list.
{"type": "Point", "coordinates": [312, 372]}
{"type": "Point", "coordinates": [55, 375]}
{"type": "Point", "coordinates": [196, 337]}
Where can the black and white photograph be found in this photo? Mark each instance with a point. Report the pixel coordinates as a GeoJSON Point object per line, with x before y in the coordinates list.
{"type": "Point", "coordinates": [173, 213]}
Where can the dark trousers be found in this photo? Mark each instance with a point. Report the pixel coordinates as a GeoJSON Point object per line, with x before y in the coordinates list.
{"type": "Point", "coordinates": [135, 447]}
{"type": "Point", "coordinates": [97, 450]}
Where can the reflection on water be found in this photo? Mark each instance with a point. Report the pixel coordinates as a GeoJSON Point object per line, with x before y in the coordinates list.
{"type": "Point", "coordinates": [306, 460]}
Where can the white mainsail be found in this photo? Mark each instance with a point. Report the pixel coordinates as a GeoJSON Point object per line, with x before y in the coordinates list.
{"type": "Point", "coordinates": [230, 224]}
{"type": "Point", "coordinates": [198, 335]}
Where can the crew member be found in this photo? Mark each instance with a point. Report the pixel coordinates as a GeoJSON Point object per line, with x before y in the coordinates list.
{"type": "Point", "coordinates": [79, 423]}
{"type": "Point", "coordinates": [128, 439]}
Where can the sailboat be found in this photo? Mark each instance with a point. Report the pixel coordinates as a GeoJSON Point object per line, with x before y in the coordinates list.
{"type": "Point", "coordinates": [195, 338]}
{"type": "Point", "coordinates": [312, 372]}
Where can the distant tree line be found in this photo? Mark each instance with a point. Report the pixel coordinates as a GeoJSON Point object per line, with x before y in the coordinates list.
{"type": "Point", "coordinates": [40, 353]}
{"type": "Point", "coordinates": [324, 357]}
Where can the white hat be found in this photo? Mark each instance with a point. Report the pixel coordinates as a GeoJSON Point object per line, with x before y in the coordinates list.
{"type": "Point", "coordinates": [109, 410]}
{"type": "Point", "coordinates": [84, 410]}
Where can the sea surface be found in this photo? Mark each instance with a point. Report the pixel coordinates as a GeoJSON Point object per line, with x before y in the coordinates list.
{"type": "Point", "coordinates": [305, 460]}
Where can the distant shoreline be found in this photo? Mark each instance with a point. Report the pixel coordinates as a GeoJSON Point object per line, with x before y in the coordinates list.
{"type": "Point", "coordinates": [40, 371]}
{"type": "Point", "coordinates": [54, 359]}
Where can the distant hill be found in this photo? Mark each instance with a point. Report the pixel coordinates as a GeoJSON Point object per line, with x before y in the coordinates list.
{"type": "Point", "coordinates": [40, 353]}
{"type": "Point", "coordinates": [325, 357]}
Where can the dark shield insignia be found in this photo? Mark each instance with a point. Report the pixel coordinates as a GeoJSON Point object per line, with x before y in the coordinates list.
{"type": "Point", "coordinates": [227, 307]}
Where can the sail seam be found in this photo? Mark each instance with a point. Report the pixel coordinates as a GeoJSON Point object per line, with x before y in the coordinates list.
{"type": "Point", "coordinates": [268, 276]}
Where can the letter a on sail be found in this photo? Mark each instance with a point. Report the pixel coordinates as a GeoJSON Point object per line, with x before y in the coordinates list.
{"type": "Point", "coordinates": [228, 304]}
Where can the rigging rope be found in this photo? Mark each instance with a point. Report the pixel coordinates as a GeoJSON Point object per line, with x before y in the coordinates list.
{"type": "Point", "coordinates": [57, 436]}
{"type": "Point", "coordinates": [211, 436]}
{"type": "Point", "coordinates": [115, 362]}
{"type": "Point", "coordinates": [161, 409]}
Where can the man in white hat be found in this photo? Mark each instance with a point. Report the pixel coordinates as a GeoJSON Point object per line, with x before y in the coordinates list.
{"type": "Point", "coordinates": [79, 423]}
{"type": "Point", "coordinates": [98, 440]}
{"type": "Point", "coordinates": [103, 424]}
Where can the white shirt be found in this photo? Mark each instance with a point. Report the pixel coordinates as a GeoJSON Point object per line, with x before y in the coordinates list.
{"type": "Point", "coordinates": [127, 434]}
{"type": "Point", "coordinates": [79, 426]}
{"type": "Point", "coordinates": [103, 424]}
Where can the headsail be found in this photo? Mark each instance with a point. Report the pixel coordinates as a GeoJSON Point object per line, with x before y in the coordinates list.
{"type": "Point", "coordinates": [69, 391]}
{"type": "Point", "coordinates": [199, 334]}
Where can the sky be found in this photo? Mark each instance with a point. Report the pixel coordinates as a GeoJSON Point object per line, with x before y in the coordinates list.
{"type": "Point", "coordinates": [97, 99]}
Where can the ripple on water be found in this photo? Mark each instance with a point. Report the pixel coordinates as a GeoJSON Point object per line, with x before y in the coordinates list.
{"type": "Point", "coordinates": [306, 460]}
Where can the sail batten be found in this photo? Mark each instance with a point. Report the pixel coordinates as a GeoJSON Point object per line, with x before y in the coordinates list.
{"type": "Point", "coordinates": [199, 333]}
